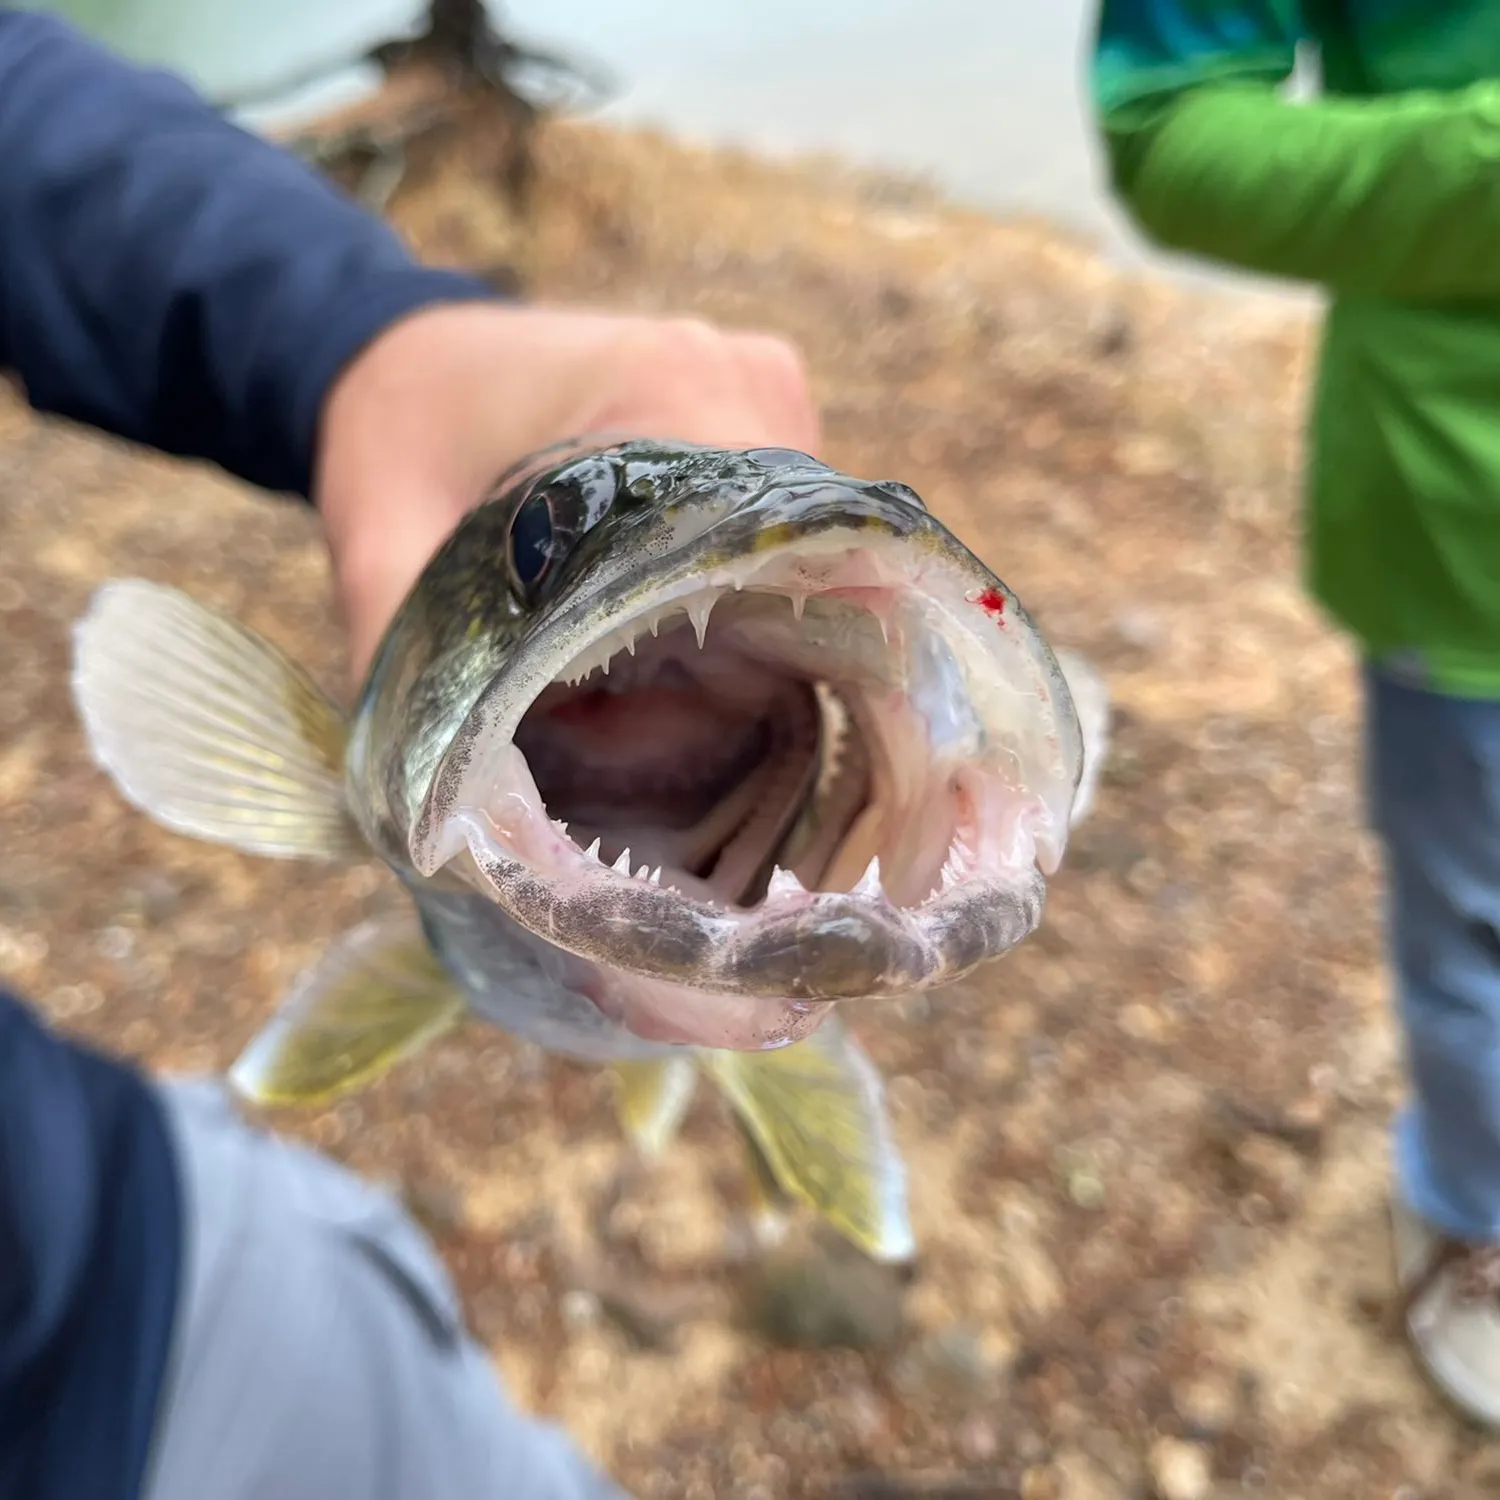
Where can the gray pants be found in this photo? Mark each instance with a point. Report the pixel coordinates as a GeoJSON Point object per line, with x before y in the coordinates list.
{"type": "Point", "coordinates": [320, 1352]}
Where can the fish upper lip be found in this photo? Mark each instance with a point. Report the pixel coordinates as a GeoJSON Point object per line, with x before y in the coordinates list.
{"type": "Point", "coordinates": [704, 564]}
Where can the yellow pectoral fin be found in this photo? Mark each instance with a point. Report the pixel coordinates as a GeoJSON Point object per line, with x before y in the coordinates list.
{"type": "Point", "coordinates": [208, 729]}
{"type": "Point", "coordinates": [375, 997]}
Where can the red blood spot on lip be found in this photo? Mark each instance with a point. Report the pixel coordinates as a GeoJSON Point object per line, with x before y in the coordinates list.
{"type": "Point", "coordinates": [992, 602]}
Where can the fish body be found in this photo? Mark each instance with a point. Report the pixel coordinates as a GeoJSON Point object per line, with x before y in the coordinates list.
{"type": "Point", "coordinates": [673, 749]}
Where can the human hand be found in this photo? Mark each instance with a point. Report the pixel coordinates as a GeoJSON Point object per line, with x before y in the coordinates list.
{"type": "Point", "coordinates": [424, 421]}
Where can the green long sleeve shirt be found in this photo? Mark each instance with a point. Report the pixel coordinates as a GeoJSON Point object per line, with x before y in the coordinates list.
{"type": "Point", "coordinates": [1386, 191]}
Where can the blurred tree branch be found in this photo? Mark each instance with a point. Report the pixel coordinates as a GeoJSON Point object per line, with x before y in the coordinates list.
{"type": "Point", "coordinates": [433, 81]}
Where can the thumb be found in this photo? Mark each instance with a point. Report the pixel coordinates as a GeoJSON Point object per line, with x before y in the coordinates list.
{"type": "Point", "coordinates": [376, 562]}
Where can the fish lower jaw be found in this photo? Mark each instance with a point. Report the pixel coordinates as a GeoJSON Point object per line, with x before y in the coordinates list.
{"type": "Point", "coordinates": [785, 891]}
{"type": "Point", "coordinates": [795, 946]}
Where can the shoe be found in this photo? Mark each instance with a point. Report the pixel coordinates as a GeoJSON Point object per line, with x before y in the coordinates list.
{"type": "Point", "coordinates": [1450, 1304]}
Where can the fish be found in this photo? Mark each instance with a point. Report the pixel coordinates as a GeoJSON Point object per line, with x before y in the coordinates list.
{"type": "Point", "coordinates": [680, 754]}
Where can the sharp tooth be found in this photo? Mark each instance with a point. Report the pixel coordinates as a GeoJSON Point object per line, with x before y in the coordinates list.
{"type": "Point", "coordinates": [656, 876]}
{"type": "Point", "coordinates": [644, 873]}
{"type": "Point", "coordinates": [655, 624]}
{"type": "Point", "coordinates": [885, 631]}
{"type": "Point", "coordinates": [784, 883]}
{"type": "Point", "coordinates": [630, 644]}
{"type": "Point", "coordinates": [869, 882]}
{"type": "Point", "coordinates": [698, 612]}
{"type": "Point", "coordinates": [560, 826]}
{"type": "Point", "coordinates": [593, 849]}
{"type": "Point", "coordinates": [605, 666]}
{"type": "Point", "coordinates": [622, 865]}
{"type": "Point", "coordinates": [950, 877]}
{"type": "Point", "coordinates": [799, 603]}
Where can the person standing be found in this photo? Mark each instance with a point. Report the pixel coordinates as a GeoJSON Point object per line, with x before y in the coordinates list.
{"type": "Point", "coordinates": [1384, 190]}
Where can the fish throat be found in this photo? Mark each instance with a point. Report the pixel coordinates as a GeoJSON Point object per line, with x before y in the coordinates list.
{"type": "Point", "coordinates": [701, 766]}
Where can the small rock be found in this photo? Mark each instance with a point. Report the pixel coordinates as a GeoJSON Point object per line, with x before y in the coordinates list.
{"type": "Point", "coordinates": [1080, 1478]}
{"type": "Point", "coordinates": [1110, 850]}
{"type": "Point", "coordinates": [437, 1205]}
{"type": "Point", "coordinates": [651, 1313]}
{"type": "Point", "coordinates": [1273, 1169]}
{"type": "Point", "coordinates": [1043, 1482]}
{"type": "Point", "coordinates": [950, 1365]}
{"type": "Point", "coordinates": [806, 1298]}
{"type": "Point", "coordinates": [1112, 330]}
{"type": "Point", "coordinates": [1257, 1210]}
{"type": "Point", "coordinates": [1227, 1248]}
{"type": "Point", "coordinates": [1306, 1122]}
{"type": "Point", "coordinates": [1480, 1473]}
{"type": "Point", "coordinates": [116, 942]}
{"type": "Point", "coordinates": [866, 1414]}
{"type": "Point", "coordinates": [1124, 768]}
{"type": "Point", "coordinates": [155, 896]}
{"type": "Point", "coordinates": [1117, 1458]}
{"type": "Point", "coordinates": [1028, 1445]}
{"type": "Point", "coordinates": [580, 1308]}
{"type": "Point", "coordinates": [1180, 1471]}
{"type": "Point", "coordinates": [504, 278]}
{"type": "Point", "coordinates": [70, 1001]}
{"type": "Point", "coordinates": [978, 1441]}
{"type": "Point", "coordinates": [1140, 627]}
{"type": "Point", "coordinates": [1143, 1022]}
{"type": "Point", "coordinates": [896, 301]}
{"type": "Point", "coordinates": [1206, 1403]}
{"type": "Point", "coordinates": [1148, 878]}
{"type": "Point", "coordinates": [1144, 456]}
{"type": "Point", "coordinates": [1086, 1189]}
{"type": "Point", "coordinates": [1029, 1268]}
{"type": "Point", "coordinates": [914, 1009]}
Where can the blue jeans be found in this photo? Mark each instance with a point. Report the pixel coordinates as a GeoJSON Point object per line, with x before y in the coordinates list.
{"type": "Point", "coordinates": [1433, 767]}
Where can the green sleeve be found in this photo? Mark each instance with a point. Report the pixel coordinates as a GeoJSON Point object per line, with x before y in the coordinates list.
{"type": "Point", "coordinates": [1392, 197]}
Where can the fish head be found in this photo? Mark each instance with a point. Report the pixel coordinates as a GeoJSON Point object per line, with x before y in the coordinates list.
{"type": "Point", "coordinates": [744, 735]}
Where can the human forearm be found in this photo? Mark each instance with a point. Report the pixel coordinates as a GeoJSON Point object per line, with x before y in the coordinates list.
{"type": "Point", "coordinates": [1395, 197]}
{"type": "Point", "coordinates": [170, 278]}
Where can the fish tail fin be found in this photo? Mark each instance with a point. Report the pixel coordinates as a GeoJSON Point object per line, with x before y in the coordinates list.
{"type": "Point", "coordinates": [207, 728]}
{"type": "Point", "coordinates": [651, 1098]}
{"type": "Point", "coordinates": [376, 996]}
{"type": "Point", "coordinates": [816, 1114]}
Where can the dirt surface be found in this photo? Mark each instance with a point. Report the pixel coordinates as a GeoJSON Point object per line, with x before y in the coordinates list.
{"type": "Point", "coordinates": [1148, 1150]}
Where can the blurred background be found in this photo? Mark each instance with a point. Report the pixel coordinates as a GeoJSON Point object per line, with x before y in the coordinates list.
{"type": "Point", "coordinates": [1148, 1150]}
{"type": "Point", "coordinates": [983, 99]}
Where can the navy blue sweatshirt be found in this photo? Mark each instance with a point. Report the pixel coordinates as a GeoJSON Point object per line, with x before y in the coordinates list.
{"type": "Point", "coordinates": [173, 280]}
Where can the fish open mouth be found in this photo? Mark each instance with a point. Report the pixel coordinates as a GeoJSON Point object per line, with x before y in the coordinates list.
{"type": "Point", "coordinates": [824, 770]}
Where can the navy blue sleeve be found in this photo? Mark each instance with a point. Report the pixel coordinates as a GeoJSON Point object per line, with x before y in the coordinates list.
{"type": "Point", "coordinates": [171, 278]}
{"type": "Point", "coordinates": [91, 1247]}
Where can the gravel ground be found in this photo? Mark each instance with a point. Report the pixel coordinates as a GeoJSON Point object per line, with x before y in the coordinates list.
{"type": "Point", "coordinates": [1148, 1149]}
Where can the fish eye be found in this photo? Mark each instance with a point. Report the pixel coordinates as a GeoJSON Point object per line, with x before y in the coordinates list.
{"type": "Point", "coordinates": [532, 531]}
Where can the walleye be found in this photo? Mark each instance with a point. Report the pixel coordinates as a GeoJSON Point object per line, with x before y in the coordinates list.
{"type": "Point", "coordinates": [673, 749]}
